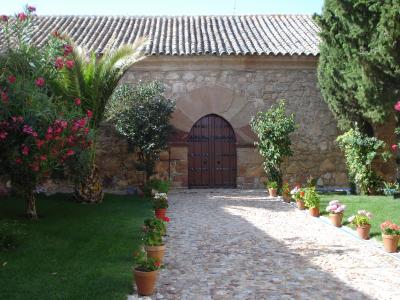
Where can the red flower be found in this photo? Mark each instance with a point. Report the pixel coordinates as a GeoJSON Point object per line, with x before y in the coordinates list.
{"type": "Point", "coordinates": [11, 79]}
{"type": "Point", "coordinates": [70, 152]}
{"type": "Point", "coordinates": [157, 263]}
{"type": "Point", "coordinates": [67, 50]}
{"type": "Point", "coordinates": [21, 16]}
{"type": "Point", "coordinates": [77, 101]}
{"type": "Point", "coordinates": [302, 194]}
{"type": "Point", "coordinates": [394, 147]}
{"type": "Point", "coordinates": [39, 143]}
{"type": "Point", "coordinates": [3, 135]}
{"type": "Point", "coordinates": [4, 18]}
{"type": "Point", "coordinates": [69, 64]}
{"type": "Point", "coordinates": [89, 113]}
{"type": "Point", "coordinates": [43, 157]}
{"type": "Point", "coordinates": [25, 150]}
{"type": "Point", "coordinates": [40, 82]}
{"type": "Point", "coordinates": [59, 63]}
{"type": "Point", "coordinates": [31, 8]}
{"type": "Point", "coordinates": [397, 106]}
{"type": "Point", "coordinates": [166, 219]}
{"type": "Point", "coordinates": [18, 161]}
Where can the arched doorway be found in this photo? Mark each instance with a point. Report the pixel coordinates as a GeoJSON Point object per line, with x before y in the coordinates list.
{"type": "Point", "coordinates": [212, 154]}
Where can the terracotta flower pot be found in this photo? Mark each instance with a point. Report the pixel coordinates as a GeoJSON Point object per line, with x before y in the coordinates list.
{"type": "Point", "coordinates": [336, 219]}
{"type": "Point", "coordinates": [145, 282]}
{"type": "Point", "coordinates": [314, 211]}
{"type": "Point", "coordinates": [390, 242]}
{"type": "Point", "coordinates": [273, 192]}
{"type": "Point", "coordinates": [363, 231]}
{"type": "Point", "coordinates": [286, 198]}
{"type": "Point", "coordinates": [160, 213]}
{"type": "Point", "coordinates": [300, 204]}
{"type": "Point", "coordinates": [156, 252]}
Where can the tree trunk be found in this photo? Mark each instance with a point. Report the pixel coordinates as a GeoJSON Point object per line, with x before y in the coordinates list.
{"type": "Point", "coordinates": [90, 189]}
{"type": "Point", "coordinates": [31, 205]}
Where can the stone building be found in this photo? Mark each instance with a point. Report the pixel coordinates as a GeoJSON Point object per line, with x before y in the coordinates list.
{"type": "Point", "coordinates": [220, 70]}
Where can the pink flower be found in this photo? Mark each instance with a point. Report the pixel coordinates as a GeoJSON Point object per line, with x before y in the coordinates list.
{"type": "Point", "coordinates": [89, 113]}
{"type": "Point", "coordinates": [25, 150]}
{"type": "Point", "coordinates": [394, 147]}
{"type": "Point", "coordinates": [27, 129]}
{"type": "Point", "coordinates": [12, 79]}
{"type": "Point", "coordinates": [397, 106]}
{"type": "Point", "coordinates": [4, 97]}
{"type": "Point", "coordinates": [4, 18]}
{"type": "Point", "coordinates": [70, 152]}
{"type": "Point", "coordinates": [59, 63]}
{"type": "Point", "coordinates": [3, 135]}
{"type": "Point", "coordinates": [40, 82]}
{"type": "Point", "coordinates": [69, 64]}
{"type": "Point", "coordinates": [43, 157]}
{"type": "Point", "coordinates": [77, 101]}
{"type": "Point", "coordinates": [39, 143]}
{"type": "Point", "coordinates": [18, 161]}
{"type": "Point", "coordinates": [21, 17]}
{"type": "Point", "coordinates": [31, 8]}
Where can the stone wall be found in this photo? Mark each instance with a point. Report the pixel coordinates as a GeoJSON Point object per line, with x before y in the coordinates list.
{"type": "Point", "coordinates": [236, 88]}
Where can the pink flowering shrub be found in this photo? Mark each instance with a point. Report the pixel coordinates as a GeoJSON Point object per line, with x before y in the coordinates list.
{"type": "Point", "coordinates": [40, 131]}
{"type": "Point", "coordinates": [335, 207]}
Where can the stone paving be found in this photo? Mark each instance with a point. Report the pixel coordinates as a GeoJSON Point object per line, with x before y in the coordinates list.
{"type": "Point", "coordinates": [240, 244]}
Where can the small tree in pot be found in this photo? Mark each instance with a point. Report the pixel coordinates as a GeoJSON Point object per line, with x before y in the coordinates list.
{"type": "Point", "coordinates": [273, 128]}
{"type": "Point", "coordinates": [312, 201]}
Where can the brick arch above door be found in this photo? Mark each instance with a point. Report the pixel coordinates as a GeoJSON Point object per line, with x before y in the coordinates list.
{"type": "Point", "coordinates": [215, 99]}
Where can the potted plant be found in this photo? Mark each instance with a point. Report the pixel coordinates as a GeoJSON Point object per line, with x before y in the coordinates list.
{"type": "Point", "coordinates": [336, 209]}
{"type": "Point", "coordinates": [298, 195]}
{"type": "Point", "coordinates": [362, 222]}
{"type": "Point", "coordinates": [286, 192]}
{"type": "Point", "coordinates": [390, 236]}
{"type": "Point", "coordinates": [312, 201]}
{"type": "Point", "coordinates": [160, 205]}
{"type": "Point", "coordinates": [272, 188]}
{"type": "Point", "coordinates": [153, 242]}
{"type": "Point", "coordinates": [145, 273]}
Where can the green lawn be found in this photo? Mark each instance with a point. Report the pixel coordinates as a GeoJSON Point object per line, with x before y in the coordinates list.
{"type": "Point", "coordinates": [75, 251]}
{"type": "Point", "coordinates": [383, 208]}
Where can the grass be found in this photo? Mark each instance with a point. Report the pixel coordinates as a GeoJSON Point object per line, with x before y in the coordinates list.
{"type": "Point", "coordinates": [382, 207]}
{"type": "Point", "coordinates": [74, 251]}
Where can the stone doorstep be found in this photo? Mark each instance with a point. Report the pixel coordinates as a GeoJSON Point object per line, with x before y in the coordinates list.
{"type": "Point", "coordinates": [372, 242]}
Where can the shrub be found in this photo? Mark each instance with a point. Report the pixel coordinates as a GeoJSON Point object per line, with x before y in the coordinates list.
{"type": "Point", "coordinates": [144, 263]}
{"type": "Point", "coordinates": [311, 198]}
{"type": "Point", "coordinates": [390, 228]}
{"type": "Point", "coordinates": [360, 151]}
{"type": "Point", "coordinates": [273, 128]}
{"type": "Point", "coordinates": [152, 236]}
{"type": "Point", "coordinates": [159, 185]}
{"type": "Point", "coordinates": [142, 114]}
{"type": "Point", "coordinates": [155, 224]}
{"type": "Point", "coordinates": [361, 218]}
{"type": "Point", "coordinates": [271, 184]}
{"type": "Point", "coordinates": [335, 207]}
{"type": "Point", "coordinates": [40, 131]}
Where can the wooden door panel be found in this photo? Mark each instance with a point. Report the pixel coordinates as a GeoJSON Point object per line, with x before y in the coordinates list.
{"type": "Point", "coordinates": [212, 153]}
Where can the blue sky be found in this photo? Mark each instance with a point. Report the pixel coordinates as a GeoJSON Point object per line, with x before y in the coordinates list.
{"type": "Point", "coordinates": [164, 7]}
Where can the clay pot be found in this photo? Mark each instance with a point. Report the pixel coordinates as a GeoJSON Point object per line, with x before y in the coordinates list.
{"type": "Point", "coordinates": [390, 242]}
{"type": "Point", "coordinates": [314, 211]}
{"type": "Point", "coordinates": [156, 252]}
{"type": "Point", "coordinates": [300, 204]}
{"type": "Point", "coordinates": [363, 231]}
{"type": "Point", "coordinates": [145, 282]}
{"type": "Point", "coordinates": [273, 192]}
{"type": "Point", "coordinates": [286, 198]}
{"type": "Point", "coordinates": [336, 219]}
{"type": "Point", "coordinates": [160, 213]}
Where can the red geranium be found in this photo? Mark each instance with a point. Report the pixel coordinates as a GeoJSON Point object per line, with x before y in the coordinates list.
{"type": "Point", "coordinates": [394, 147]}
{"type": "Point", "coordinates": [22, 16]}
{"type": "Point", "coordinates": [59, 63]}
{"type": "Point", "coordinates": [12, 79]}
{"type": "Point", "coordinates": [67, 50]}
{"type": "Point", "coordinates": [89, 113]}
{"type": "Point", "coordinates": [166, 219]}
{"type": "Point", "coordinates": [157, 263]}
{"type": "Point", "coordinates": [77, 101]}
{"type": "Point", "coordinates": [40, 82]}
{"type": "Point", "coordinates": [69, 64]}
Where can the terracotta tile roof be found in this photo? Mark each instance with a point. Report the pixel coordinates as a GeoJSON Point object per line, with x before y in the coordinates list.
{"type": "Point", "coordinates": [190, 35]}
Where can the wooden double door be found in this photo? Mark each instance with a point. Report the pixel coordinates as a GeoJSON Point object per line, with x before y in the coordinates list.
{"type": "Point", "coordinates": [212, 154]}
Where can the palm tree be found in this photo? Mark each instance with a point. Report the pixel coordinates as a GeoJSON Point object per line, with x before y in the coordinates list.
{"type": "Point", "coordinates": [92, 80]}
